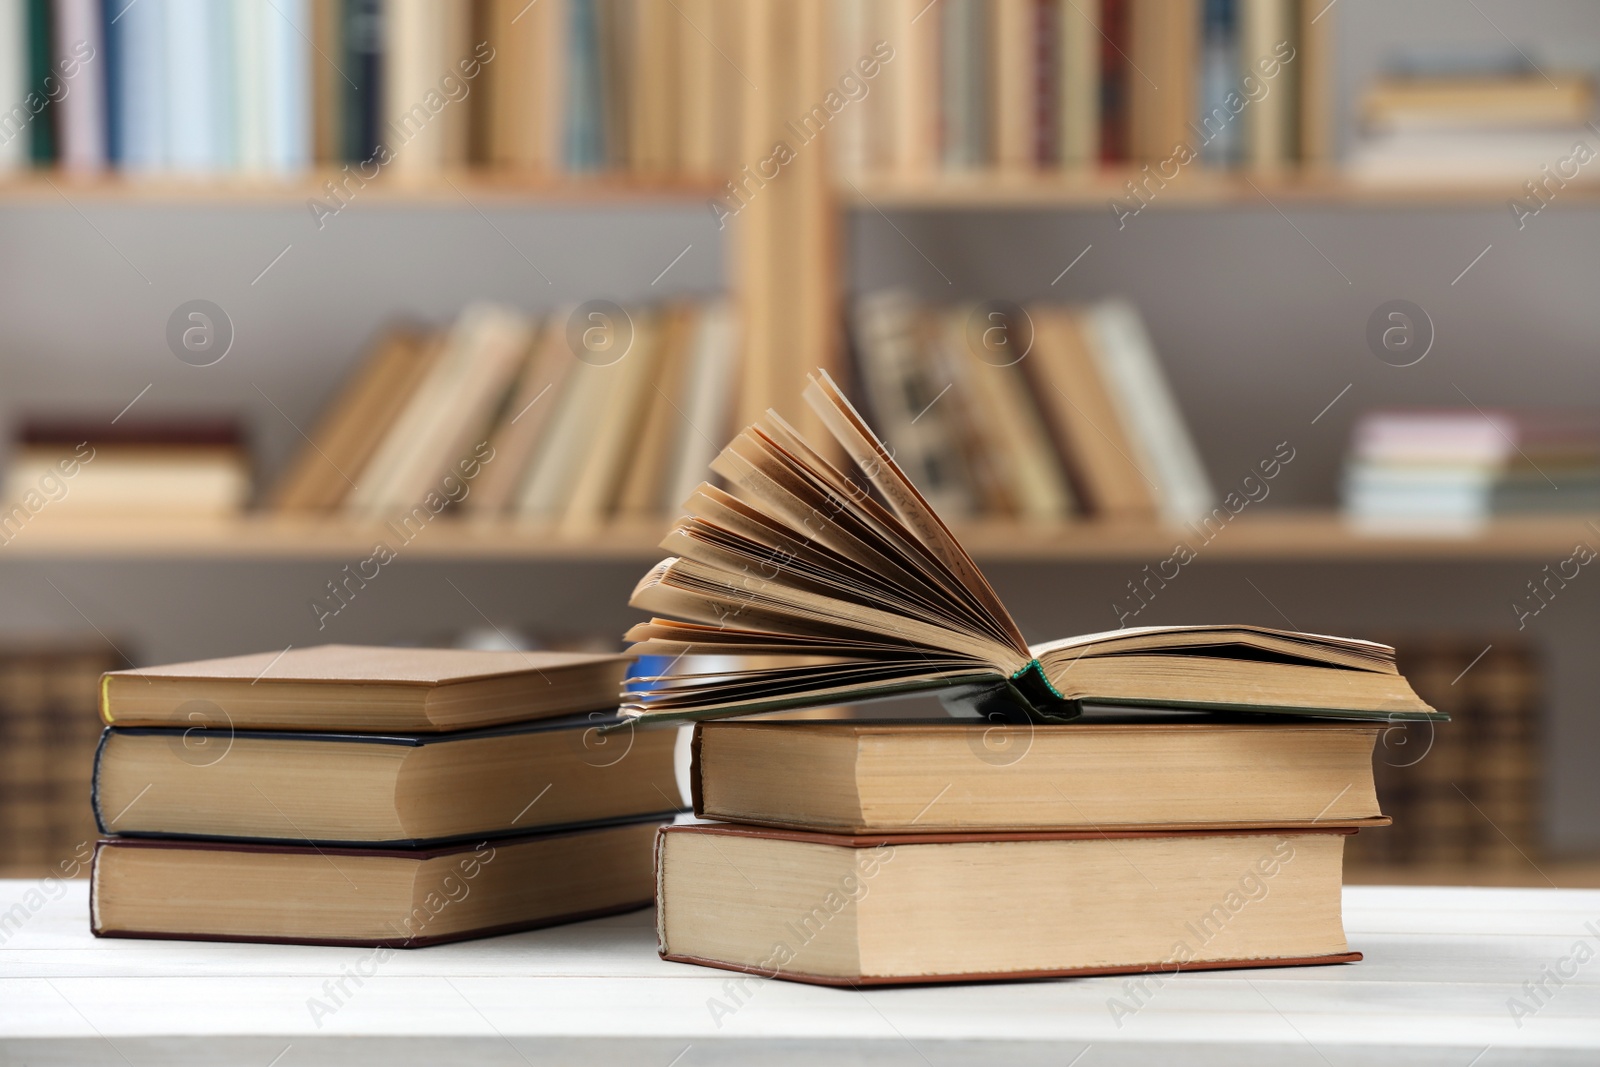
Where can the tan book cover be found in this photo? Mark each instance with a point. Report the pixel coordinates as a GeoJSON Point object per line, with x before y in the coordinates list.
{"type": "Point", "coordinates": [1092, 436]}
{"type": "Point", "coordinates": [361, 688]}
{"type": "Point", "coordinates": [525, 420]}
{"type": "Point", "coordinates": [1268, 123]}
{"type": "Point", "coordinates": [403, 898]}
{"type": "Point", "coordinates": [327, 83]}
{"type": "Point", "coordinates": [1015, 72]}
{"type": "Point", "coordinates": [1115, 772]}
{"type": "Point", "coordinates": [628, 384]}
{"type": "Point", "coordinates": [1036, 481]}
{"type": "Point", "coordinates": [423, 41]}
{"type": "Point", "coordinates": [1079, 105]}
{"type": "Point", "coordinates": [1315, 63]}
{"type": "Point", "coordinates": [652, 79]}
{"type": "Point", "coordinates": [645, 482]}
{"type": "Point", "coordinates": [915, 85]}
{"type": "Point", "coordinates": [508, 83]}
{"type": "Point", "coordinates": [395, 790]}
{"type": "Point", "coordinates": [887, 909]}
{"type": "Point", "coordinates": [697, 80]}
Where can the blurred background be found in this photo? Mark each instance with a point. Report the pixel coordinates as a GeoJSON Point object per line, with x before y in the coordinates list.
{"type": "Point", "coordinates": [411, 321]}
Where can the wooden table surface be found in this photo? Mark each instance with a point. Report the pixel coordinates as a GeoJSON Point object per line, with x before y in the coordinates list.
{"type": "Point", "coordinates": [1445, 969]}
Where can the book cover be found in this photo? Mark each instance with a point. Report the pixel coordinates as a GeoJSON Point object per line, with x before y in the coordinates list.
{"type": "Point", "coordinates": [857, 910]}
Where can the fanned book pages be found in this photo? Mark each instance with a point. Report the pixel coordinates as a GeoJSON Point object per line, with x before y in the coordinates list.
{"type": "Point", "coordinates": [850, 587]}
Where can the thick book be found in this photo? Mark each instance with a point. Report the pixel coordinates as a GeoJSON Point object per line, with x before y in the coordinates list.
{"type": "Point", "coordinates": [942, 777]}
{"type": "Point", "coordinates": [859, 590]}
{"type": "Point", "coordinates": [400, 898]}
{"type": "Point", "coordinates": [380, 789]}
{"type": "Point", "coordinates": [886, 909]}
{"type": "Point", "coordinates": [362, 689]}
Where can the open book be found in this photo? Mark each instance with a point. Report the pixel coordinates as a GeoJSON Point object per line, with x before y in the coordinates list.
{"type": "Point", "coordinates": [849, 581]}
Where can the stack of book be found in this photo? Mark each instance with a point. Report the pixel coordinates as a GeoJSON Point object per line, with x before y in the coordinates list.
{"type": "Point", "coordinates": [1462, 467]}
{"type": "Point", "coordinates": [568, 419]}
{"type": "Point", "coordinates": [1198, 823]}
{"type": "Point", "coordinates": [374, 796]}
{"type": "Point", "coordinates": [181, 466]}
{"type": "Point", "coordinates": [1514, 125]}
{"type": "Point", "coordinates": [909, 852]}
{"type": "Point", "coordinates": [1039, 414]}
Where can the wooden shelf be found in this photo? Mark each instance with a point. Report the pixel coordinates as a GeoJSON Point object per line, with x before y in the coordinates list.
{"type": "Point", "coordinates": [442, 190]}
{"type": "Point", "coordinates": [988, 190]}
{"type": "Point", "coordinates": [1313, 537]}
{"type": "Point", "coordinates": [974, 191]}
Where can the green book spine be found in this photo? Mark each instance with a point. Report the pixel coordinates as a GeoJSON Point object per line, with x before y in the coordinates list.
{"type": "Point", "coordinates": [42, 141]}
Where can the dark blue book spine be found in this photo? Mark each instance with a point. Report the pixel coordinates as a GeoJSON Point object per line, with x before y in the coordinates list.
{"type": "Point", "coordinates": [111, 43]}
{"type": "Point", "coordinates": [362, 31]}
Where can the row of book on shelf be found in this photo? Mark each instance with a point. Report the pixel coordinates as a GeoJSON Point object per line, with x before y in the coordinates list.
{"type": "Point", "coordinates": [578, 418]}
{"type": "Point", "coordinates": [1023, 85]}
{"type": "Point", "coordinates": [1456, 469]}
{"type": "Point", "coordinates": [648, 88]}
{"type": "Point", "coordinates": [1243, 811]}
{"type": "Point", "coordinates": [1478, 117]}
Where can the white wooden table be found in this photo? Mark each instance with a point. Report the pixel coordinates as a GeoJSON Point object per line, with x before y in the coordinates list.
{"type": "Point", "coordinates": [1441, 966]}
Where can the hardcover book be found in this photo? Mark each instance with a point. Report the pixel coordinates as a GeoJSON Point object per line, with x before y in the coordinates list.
{"type": "Point", "coordinates": [362, 689]}
{"type": "Point", "coordinates": [403, 898]}
{"type": "Point", "coordinates": [1129, 772]}
{"type": "Point", "coordinates": [377, 789]}
{"type": "Point", "coordinates": [868, 910]}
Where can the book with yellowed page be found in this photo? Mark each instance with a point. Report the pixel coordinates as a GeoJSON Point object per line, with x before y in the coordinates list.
{"type": "Point", "coordinates": [381, 789]}
{"type": "Point", "coordinates": [877, 909]}
{"type": "Point", "coordinates": [1127, 772]}
{"type": "Point", "coordinates": [400, 898]}
{"type": "Point", "coordinates": [362, 689]}
{"type": "Point", "coordinates": [857, 588]}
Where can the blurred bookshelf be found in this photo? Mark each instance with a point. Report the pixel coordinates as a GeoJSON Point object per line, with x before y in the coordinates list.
{"type": "Point", "coordinates": [1091, 190]}
{"type": "Point", "coordinates": [1283, 536]}
{"type": "Point", "coordinates": [474, 185]}
{"type": "Point", "coordinates": [995, 190]}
